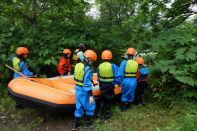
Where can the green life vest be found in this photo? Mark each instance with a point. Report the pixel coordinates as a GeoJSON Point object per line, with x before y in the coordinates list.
{"type": "Point", "coordinates": [16, 63]}
{"type": "Point", "coordinates": [106, 72]}
{"type": "Point", "coordinates": [79, 74]}
{"type": "Point", "coordinates": [131, 68]}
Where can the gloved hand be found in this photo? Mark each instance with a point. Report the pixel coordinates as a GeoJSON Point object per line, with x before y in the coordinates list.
{"type": "Point", "coordinates": [36, 75]}
{"type": "Point", "coordinates": [91, 99]}
{"type": "Point", "coordinates": [117, 85]}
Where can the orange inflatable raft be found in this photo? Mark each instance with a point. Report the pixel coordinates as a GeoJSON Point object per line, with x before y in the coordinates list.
{"type": "Point", "coordinates": [56, 93]}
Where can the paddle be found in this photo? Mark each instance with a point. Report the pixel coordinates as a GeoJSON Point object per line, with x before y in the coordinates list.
{"type": "Point", "coordinates": [21, 74]}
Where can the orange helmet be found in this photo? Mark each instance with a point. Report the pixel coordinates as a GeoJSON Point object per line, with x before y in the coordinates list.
{"type": "Point", "coordinates": [130, 51]}
{"type": "Point", "coordinates": [106, 55]}
{"type": "Point", "coordinates": [67, 51]}
{"type": "Point", "coordinates": [90, 54]}
{"type": "Point", "coordinates": [140, 60]}
{"type": "Point", "coordinates": [22, 51]}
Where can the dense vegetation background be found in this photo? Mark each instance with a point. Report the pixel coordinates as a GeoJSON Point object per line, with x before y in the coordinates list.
{"type": "Point", "coordinates": [159, 28]}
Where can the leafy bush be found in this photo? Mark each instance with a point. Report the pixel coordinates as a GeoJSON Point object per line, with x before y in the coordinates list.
{"type": "Point", "coordinates": [175, 68]}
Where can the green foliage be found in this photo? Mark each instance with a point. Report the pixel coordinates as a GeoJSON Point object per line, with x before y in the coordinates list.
{"type": "Point", "coordinates": [174, 67]}
{"type": "Point", "coordinates": [47, 27]}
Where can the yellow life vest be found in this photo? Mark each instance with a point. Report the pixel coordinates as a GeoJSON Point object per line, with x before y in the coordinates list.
{"type": "Point", "coordinates": [106, 72]}
{"type": "Point", "coordinates": [131, 68]}
{"type": "Point", "coordinates": [16, 63]}
{"type": "Point", "coordinates": [79, 73]}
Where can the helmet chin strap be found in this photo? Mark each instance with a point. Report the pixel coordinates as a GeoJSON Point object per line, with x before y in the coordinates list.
{"type": "Point", "coordinates": [86, 61]}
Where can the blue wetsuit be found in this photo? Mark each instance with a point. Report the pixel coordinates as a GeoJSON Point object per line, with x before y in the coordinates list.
{"type": "Point", "coordinates": [83, 94]}
{"type": "Point", "coordinates": [128, 84]}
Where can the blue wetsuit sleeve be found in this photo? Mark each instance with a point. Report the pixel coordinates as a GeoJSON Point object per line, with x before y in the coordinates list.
{"type": "Point", "coordinates": [117, 77]}
{"type": "Point", "coordinates": [88, 78]}
{"type": "Point", "coordinates": [122, 69]}
{"type": "Point", "coordinates": [24, 69]}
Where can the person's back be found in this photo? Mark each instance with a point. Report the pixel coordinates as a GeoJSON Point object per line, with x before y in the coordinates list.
{"type": "Point", "coordinates": [64, 67]}
{"type": "Point", "coordinates": [142, 82]}
{"type": "Point", "coordinates": [128, 71]}
{"type": "Point", "coordinates": [143, 69]}
{"type": "Point", "coordinates": [108, 77]}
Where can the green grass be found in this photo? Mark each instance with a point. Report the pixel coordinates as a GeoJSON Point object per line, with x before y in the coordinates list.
{"type": "Point", "coordinates": [178, 115]}
{"type": "Point", "coordinates": [18, 120]}
{"type": "Point", "coordinates": [149, 118]}
{"type": "Point", "coordinates": [187, 120]}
